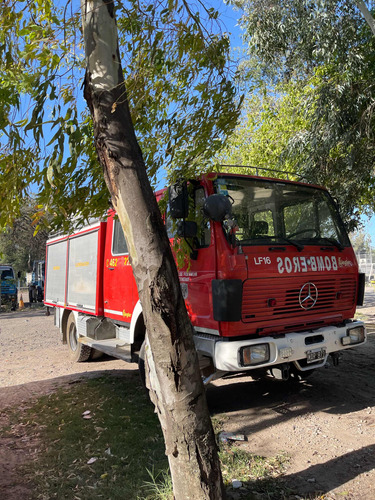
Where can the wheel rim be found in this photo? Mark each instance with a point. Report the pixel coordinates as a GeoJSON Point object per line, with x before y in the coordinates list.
{"type": "Point", "coordinates": [73, 340]}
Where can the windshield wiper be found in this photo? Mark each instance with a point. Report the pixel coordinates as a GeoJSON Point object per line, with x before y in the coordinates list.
{"type": "Point", "coordinates": [331, 241]}
{"type": "Point", "coordinates": [299, 246]}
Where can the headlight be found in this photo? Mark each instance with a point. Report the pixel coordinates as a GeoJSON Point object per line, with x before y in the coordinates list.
{"type": "Point", "coordinates": [354, 336]}
{"type": "Point", "coordinates": [254, 354]}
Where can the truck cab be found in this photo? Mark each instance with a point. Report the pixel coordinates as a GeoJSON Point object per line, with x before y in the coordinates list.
{"type": "Point", "coordinates": [36, 285]}
{"type": "Point", "coordinates": [279, 272]}
{"type": "Point", "coordinates": [8, 286]}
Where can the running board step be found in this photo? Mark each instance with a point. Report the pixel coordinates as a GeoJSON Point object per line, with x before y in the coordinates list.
{"type": "Point", "coordinates": [113, 347]}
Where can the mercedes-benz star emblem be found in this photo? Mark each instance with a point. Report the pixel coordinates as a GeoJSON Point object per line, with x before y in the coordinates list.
{"type": "Point", "coordinates": [308, 295]}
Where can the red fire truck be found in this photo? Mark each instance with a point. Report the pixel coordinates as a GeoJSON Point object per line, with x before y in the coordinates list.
{"type": "Point", "coordinates": [271, 285]}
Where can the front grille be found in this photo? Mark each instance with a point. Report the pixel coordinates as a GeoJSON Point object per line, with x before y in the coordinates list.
{"type": "Point", "coordinates": [335, 294]}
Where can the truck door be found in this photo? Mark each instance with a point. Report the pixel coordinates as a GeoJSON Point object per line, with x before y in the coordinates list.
{"type": "Point", "coordinates": [119, 288]}
{"type": "Point", "coordinates": [196, 279]}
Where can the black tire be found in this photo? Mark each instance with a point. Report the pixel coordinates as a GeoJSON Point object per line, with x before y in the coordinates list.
{"type": "Point", "coordinates": [77, 352]}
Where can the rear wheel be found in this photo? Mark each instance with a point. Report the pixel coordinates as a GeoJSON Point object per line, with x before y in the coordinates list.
{"type": "Point", "coordinates": [77, 352]}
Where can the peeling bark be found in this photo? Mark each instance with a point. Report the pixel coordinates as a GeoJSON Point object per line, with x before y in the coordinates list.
{"type": "Point", "coordinates": [366, 14]}
{"type": "Point", "coordinates": [171, 361]}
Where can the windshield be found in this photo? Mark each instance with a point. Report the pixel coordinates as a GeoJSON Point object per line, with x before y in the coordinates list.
{"type": "Point", "coordinates": [275, 212]}
{"type": "Point", "coordinates": [7, 274]}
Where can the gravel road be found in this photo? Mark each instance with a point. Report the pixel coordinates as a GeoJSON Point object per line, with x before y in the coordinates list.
{"type": "Point", "coordinates": [326, 425]}
{"type": "Point", "coordinates": [31, 351]}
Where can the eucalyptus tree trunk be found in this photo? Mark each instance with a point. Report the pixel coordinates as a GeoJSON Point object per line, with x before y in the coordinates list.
{"type": "Point", "coordinates": [366, 14]}
{"type": "Point", "coordinates": [175, 384]}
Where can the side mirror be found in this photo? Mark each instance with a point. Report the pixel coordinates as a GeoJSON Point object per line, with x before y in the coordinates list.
{"type": "Point", "coordinates": [187, 229]}
{"type": "Point", "coordinates": [19, 274]}
{"type": "Point", "coordinates": [178, 200]}
{"type": "Point", "coordinates": [217, 207]}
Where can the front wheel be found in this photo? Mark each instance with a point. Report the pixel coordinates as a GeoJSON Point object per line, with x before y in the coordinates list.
{"type": "Point", "coordinates": [77, 352]}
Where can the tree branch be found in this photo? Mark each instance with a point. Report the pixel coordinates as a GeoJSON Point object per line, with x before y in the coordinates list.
{"type": "Point", "coordinates": [366, 14]}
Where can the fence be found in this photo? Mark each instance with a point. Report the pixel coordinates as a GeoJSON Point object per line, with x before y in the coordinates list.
{"type": "Point", "coordinates": [366, 263]}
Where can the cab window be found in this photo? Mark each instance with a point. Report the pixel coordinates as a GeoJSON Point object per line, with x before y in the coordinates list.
{"type": "Point", "coordinates": [119, 246]}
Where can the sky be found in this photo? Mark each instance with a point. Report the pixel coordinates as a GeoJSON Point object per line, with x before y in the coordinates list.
{"type": "Point", "coordinates": [369, 228]}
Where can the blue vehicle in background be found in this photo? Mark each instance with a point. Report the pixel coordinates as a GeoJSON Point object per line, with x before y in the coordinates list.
{"type": "Point", "coordinates": [9, 292]}
{"type": "Point", "coordinates": [36, 287]}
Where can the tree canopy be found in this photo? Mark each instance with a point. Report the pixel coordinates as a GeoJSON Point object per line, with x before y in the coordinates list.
{"type": "Point", "coordinates": [179, 81]}
{"type": "Point", "coordinates": [361, 242]}
{"type": "Point", "coordinates": [19, 244]}
{"type": "Point", "coordinates": [309, 72]}
{"type": "Point", "coordinates": [311, 66]}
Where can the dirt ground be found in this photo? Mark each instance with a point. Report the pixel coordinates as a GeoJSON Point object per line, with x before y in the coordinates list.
{"type": "Point", "coordinates": [326, 425]}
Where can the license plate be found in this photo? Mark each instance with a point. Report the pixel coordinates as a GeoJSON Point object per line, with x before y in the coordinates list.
{"type": "Point", "coordinates": [316, 355]}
